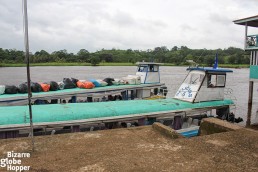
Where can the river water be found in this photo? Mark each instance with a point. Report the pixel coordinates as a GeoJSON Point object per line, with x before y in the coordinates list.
{"type": "Point", "coordinates": [172, 76]}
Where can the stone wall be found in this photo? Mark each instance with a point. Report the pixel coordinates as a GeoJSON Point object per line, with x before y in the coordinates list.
{"type": "Point", "coordinates": [215, 125]}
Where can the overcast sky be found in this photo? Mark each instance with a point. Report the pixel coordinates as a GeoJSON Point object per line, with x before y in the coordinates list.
{"type": "Point", "coordinates": [123, 24]}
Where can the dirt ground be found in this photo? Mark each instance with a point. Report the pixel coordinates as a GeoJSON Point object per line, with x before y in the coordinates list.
{"type": "Point", "coordinates": [138, 149]}
{"type": "Point", "coordinates": [254, 126]}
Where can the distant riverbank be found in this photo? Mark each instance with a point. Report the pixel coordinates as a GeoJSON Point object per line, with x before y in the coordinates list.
{"type": "Point", "coordinates": [109, 64]}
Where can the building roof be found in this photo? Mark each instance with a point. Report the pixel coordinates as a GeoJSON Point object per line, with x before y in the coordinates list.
{"type": "Point", "coordinates": [148, 63]}
{"type": "Point", "coordinates": [251, 21]}
{"type": "Point", "coordinates": [207, 69]}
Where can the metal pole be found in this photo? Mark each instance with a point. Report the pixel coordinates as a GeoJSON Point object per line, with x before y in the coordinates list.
{"type": "Point", "coordinates": [27, 56]}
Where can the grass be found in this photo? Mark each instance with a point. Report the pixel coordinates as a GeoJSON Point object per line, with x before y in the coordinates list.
{"type": "Point", "coordinates": [220, 65]}
{"type": "Point", "coordinates": [63, 64]}
{"type": "Point", "coordinates": [116, 64]}
{"type": "Point", "coordinates": [234, 65]}
{"type": "Point", "coordinates": [108, 64]}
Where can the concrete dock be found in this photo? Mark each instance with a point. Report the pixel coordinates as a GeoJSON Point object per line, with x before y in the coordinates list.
{"type": "Point", "coordinates": [142, 149]}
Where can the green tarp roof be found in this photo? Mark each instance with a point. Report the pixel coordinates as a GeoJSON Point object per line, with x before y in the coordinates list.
{"type": "Point", "coordinates": [83, 111]}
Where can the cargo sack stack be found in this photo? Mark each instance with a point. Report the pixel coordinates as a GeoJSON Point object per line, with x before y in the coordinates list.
{"type": "Point", "coordinates": [74, 80]}
{"type": "Point", "coordinates": [109, 81]}
{"type": "Point", "coordinates": [68, 83]}
{"type": "Point", "coordinates": [53, 86]}
{"type": "Point", "coordinates": [102, 83]}
{"type": "Point", "coordinates": [115, 82]}
{"type": "Point", "coordinates": [96, 83]}
{"type": "Point", "coordinates": [121, 82]}
{"type": "Point", "coordinates": [85, 84]}
{"type": "Point", "coordinates": [35, 87]}
{"type": "Point", "coordinates": [11, 89]}
{"type": "Point", "coordinates": [132, 79]}
{"type": "Point", "coordinates": [2, 89]}
{"type": "Point", "coordinates": [23, 88]}
{"type": "Point", "coordinates": [45, 87]}
{"type": "Point", "coordinates": [60, 85]}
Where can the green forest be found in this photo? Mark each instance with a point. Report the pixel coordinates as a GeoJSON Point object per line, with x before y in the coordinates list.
{"type": "Point", "coordinates": [174, 56]}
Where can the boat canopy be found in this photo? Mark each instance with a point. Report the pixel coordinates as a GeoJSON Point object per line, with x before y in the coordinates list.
{"type": "Point", "coordinates": [209, 69]}
{"type": "Point", "coordinates": [148, 63]}
{"type": "Point", "coordinates": [14, 116]}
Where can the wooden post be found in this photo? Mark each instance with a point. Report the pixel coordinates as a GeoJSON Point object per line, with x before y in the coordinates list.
{"type": "Point", "coordinates": [250, 103]}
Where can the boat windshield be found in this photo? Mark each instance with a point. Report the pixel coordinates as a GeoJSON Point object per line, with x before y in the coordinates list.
{"type": "Point", "coordinates": [194, 79]}
{"type": "Point", "coordinates": [142, 68]}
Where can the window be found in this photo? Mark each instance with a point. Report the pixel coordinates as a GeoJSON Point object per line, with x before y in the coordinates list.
{"type": "Point", "coordinates": [194, 79]}
{"type": "Point", "coordinates": [142, 68]}
{"type": "Point", "coordinates": [216, 80]}
{"type": "Point", "coordinates": [149, 68]}
{"type": "Point", "coordinates": [154, 68]}
{"type": "Point", "coordinates": [221, 80]}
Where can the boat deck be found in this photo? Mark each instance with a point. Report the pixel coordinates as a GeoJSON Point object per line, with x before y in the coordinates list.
{"type": "Point", "coordinates": [22, 99]}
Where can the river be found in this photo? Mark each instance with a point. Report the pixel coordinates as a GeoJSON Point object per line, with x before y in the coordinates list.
{"type": "Point", "coordinates": [172, 76]}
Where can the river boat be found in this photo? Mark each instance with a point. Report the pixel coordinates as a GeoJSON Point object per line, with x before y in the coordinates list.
{"type": "Point", "coordinates": [202, 92]}
{"type": "Point", "coordinates": [145, 84]}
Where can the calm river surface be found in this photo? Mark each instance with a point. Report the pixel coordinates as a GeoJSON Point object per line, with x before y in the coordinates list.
{"type": "Point", "coordinates": [172, 76]}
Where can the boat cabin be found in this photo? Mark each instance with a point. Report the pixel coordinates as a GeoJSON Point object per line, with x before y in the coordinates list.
{"type": "Point", "coordinates": [149, 72]}
{"type": "Point", "coordinates": [203, 84]}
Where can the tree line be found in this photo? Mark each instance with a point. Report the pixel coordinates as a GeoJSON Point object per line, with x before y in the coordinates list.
{"type": "Point", "coordinates": [175, 55]}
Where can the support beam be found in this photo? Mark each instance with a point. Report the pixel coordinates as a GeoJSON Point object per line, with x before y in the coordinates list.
{"type": "Point", "coordinates": [250, 103]}
{"type": "Point", "coordinates": [74, 99]}
{"type": "Point", "coordinates": [178, 122]}
{"type": "Point", "coordinates": [246, 30]}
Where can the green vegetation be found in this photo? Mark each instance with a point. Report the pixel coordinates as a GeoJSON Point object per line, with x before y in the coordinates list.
{"type": "Point", "coordinates": [43, 64]}
{"type": "Point", "coordinates": [230, 57]}
{"type": "Point", "coordinates": [66, 64]}
{"type": "Point", "coordinates": [234, 65]}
